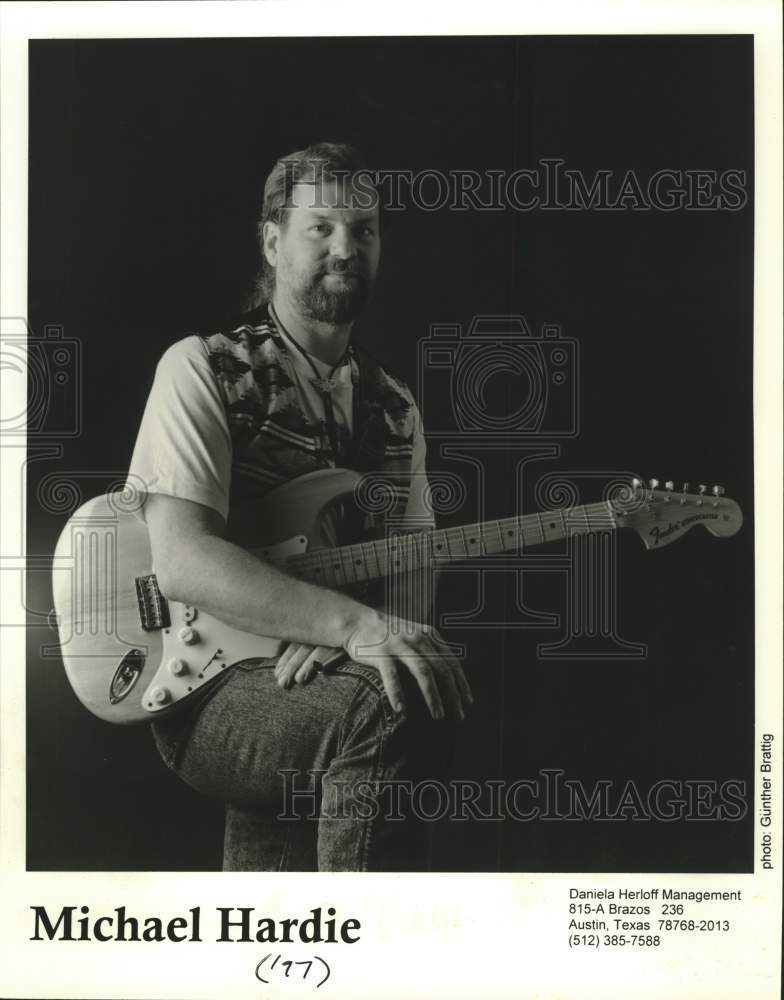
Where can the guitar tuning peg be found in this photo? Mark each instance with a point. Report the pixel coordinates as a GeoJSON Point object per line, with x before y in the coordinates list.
{"type": "Point", "coordinates": [702, 487]}
{"type": "Point", "coordinates": [718, 491]}
{"type": "Point", "coordinates": [669, 486]}
{"type": "Point", "coordinates": [652, 484]}
{"type": "Point", "coordinates": [636, 484]}
{"type": "Point", "coordinates": [684, 491]}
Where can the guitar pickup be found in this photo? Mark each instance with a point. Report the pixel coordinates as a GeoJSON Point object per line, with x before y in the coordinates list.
{"type": "Point", "coordinates": [153, 606]}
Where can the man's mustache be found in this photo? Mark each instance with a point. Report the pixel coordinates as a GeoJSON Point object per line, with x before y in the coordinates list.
{"type": "Point", "coordinates": [346, 267]}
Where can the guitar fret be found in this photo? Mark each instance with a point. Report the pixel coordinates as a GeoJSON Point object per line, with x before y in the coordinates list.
{"type": "Point", "coordinates": [439, 542]}
{"type": "Point", "coordinates": [400, 551]}
{"type": "Point", "coordinates": [333, 569]}
{"type": "Point", "coordinates": [371, 549]}
{"type": "Point", "coordinates": [552, 527]}
{"type": "Point", "coordinates": [380, 548]}
{"type": "Point", "coordinates": [416, 559]}
{"type": "Point", "coordinates": [358, 562]}
{"type": "Point", "coordinates": [347, 565]}
{"type": "Point", "coordinates": [405, 554]}
{"type": "Point", "coordinates": [426, 552]}
{"type": "Point", "coordinates": [311, 565]}
{"type": "Point", "coordinates": [325, 570]}
{"type": "Point", "coordinates": [392, 560]}
{"type": "Point", "coordinates": [409, 551]}
{"type": "Point", "coordinates": [536, 530]}
{"type": "Point", "coordinates": [527, 527]}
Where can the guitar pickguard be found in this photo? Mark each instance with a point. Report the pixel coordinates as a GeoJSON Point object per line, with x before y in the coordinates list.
{"type": "Point", "coordinates": [198, 648]}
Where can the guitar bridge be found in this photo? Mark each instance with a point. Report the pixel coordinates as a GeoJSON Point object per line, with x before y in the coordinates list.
{"type": "Point", "coordinates": [153, 607]}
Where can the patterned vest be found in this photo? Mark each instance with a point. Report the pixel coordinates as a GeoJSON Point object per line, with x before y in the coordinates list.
{"type": "Point", "coordinates": [272, 439]}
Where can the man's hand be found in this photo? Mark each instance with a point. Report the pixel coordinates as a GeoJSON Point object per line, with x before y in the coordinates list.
{"type": "Point", "coordinates": [297, 663]}
{"type": "Point", "coordinates": [385, 642]}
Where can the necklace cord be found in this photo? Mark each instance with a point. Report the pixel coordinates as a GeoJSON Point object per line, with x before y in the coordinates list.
{"type": "Point", "coordinates": [323, 386]}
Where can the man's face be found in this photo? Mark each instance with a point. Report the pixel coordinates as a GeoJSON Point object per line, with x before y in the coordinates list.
{"type": "Point", "coordinates": [326, 251]}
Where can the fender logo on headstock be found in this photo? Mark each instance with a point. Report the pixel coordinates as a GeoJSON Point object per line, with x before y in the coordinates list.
{"type": "Point", "coordinates": [658, 533]}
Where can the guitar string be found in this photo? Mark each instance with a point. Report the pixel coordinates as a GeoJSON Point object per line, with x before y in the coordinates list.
{"type": "Point", "coordinates": [525, 532]}
{"type": "Point", "coordinates": [522, 525]}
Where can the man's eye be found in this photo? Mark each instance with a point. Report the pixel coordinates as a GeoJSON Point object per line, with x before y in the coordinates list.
{"type": "Point", "coordinates": [367, 231]}
{"type": "Point", "coordinates": [320, 227]}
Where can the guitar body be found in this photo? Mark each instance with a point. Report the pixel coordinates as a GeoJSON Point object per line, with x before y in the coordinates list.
{"type": "Point", "coordinates": [131, 657]}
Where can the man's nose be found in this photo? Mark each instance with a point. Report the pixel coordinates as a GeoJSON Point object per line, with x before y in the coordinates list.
{"type": "Point", "coordinates": [342, 244]}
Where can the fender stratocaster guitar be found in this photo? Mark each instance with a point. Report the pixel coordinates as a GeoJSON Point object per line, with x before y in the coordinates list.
{"type": "Point", "coordinates": [132, 656]}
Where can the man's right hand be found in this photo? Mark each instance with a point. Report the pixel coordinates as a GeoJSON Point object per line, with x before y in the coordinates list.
{"type": "Point", "coordinates": [195, 565]}
{"type": "Point", "coordinates": [297, 662]}
{"type": "Point", "coordinates": [387, 643]}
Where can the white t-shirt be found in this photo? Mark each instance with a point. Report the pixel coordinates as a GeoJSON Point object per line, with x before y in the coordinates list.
{"type": "Point", "coordinates": [184, 447]}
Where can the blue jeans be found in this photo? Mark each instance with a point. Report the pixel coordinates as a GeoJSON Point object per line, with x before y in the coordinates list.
{"type": "Point", "coordinates": [316, 777]}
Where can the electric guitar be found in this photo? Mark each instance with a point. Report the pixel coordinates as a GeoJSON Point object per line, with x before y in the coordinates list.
{"type": "Point", "coordinates": [131, 656]}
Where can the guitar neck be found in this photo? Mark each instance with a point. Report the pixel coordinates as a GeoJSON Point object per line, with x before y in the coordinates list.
{"type": "Point", "coordinates": [403, 552]}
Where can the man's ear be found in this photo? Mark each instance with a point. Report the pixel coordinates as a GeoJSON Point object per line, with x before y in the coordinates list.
{"type": "Point", "coordinates": [270, 235]}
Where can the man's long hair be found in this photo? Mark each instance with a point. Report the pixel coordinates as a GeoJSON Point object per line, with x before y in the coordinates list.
{"type": "Point", "coordinates": [323, 161]}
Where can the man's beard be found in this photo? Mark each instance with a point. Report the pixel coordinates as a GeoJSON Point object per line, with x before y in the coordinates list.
{"type": "Point", "coordinates": [341, 305]}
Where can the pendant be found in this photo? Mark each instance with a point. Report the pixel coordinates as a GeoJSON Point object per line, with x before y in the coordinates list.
{"type": "Point", "coordinates": [323, 385]}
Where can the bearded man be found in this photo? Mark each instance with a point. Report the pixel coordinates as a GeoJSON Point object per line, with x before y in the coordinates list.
{"type": "Point", "coordinates": [231, 416]}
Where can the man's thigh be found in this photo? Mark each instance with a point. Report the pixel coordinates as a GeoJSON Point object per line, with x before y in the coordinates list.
{"type": "Point", "coordinates": [240, 741]}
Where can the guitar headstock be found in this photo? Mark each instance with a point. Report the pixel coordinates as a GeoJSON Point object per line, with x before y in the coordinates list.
{"type": "Point", "coordinates": [662, 516]}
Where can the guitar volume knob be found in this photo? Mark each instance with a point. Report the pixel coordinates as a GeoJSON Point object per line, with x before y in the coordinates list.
{"type": "Point", "coordinates": [160, 695]}
{"type": "Point", "coordinates": [188, 635]}
{"type": "Point", "coordinates": [177, 666]}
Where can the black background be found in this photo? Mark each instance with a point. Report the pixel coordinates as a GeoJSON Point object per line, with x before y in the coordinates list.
{"type": "Point", "coordinates": [147, 161]}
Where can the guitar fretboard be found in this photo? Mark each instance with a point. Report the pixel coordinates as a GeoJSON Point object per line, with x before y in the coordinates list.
{"type": "Point", "coordinates": [404, 552]}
